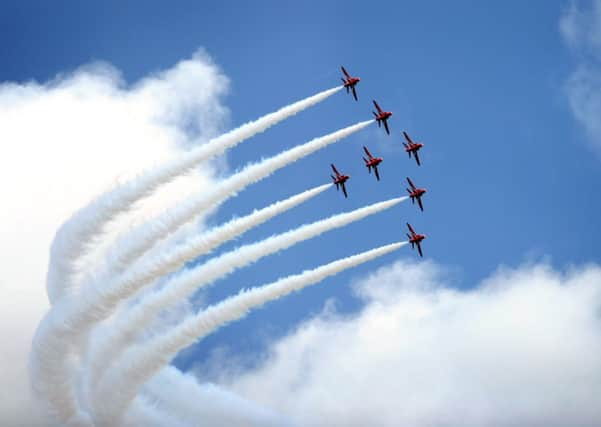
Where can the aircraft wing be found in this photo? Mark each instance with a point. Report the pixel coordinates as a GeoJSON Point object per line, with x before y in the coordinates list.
{"type": "Point", "coordinates": [386, 127]}
{"type": "Point", "coordinates": [419, 202]}
{"type": "Point", "coordinates": [417, 158]}
{"type": "Point", "coordinates": [419, 249]}
{"type": "Point", "coordinates": [345, 72]}
{"type": "Point", "coordinates": [354, 93]}
{"type": "Point", "coordinates": [377, 173]}
{"type": "Point", "coordinates": [411, 183]}
{"type": "Point", "coordinates": [344, 190]}
{"type": "Point", "coordinates": [367, 152]}
{"type": "Point", "coordinates": [411, 228]}
{"type": "Point", "coordinates": [407, 137]}
{"type": "Point", "coordinates": [377, 107]}
{"type": "Point", "coordinates": [335, 170]}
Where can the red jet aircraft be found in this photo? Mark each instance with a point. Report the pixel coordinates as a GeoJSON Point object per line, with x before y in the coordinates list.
{"type": "Point", "coordinates": [350, 82]}
{"type": "Point", "coordinates": [339, 180]}
{"type": "Point", "coordinates": [372, 162]}
{"type": "Point", "coordinates": [412, 147]}
{"type": "Point", "coordinates": [416, 193]}
{"type": "Point", "coordinates": [382, 117]}
{"type": "Point", "coordinates": [415, 239]}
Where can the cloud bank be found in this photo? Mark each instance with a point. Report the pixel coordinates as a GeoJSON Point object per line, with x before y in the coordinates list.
{"type": "Point", "coordinates": [67, 140]}
{"type": "Point", "coordinates": [522, 348]}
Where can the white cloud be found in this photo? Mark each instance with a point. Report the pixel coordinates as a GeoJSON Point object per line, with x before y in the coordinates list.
{"type": "Point", "coordinates": [522, 348]}
{"type": "Point", "coordinates": [584, 95]}
{"type": "Point", "coordinates": [62, 143]}
{"type": "Point", "coordinates": [206, 403]}
{"type": "Point", "coordinates": [581, 30]}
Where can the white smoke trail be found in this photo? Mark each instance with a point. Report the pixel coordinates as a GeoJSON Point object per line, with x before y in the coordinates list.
{"type": "Point", "coordinates": [53, 383]}
{"type": "Point", "coordinates": [147, 270]}
{"type": "Point", "coordinates": [143, 361]}
{"type": "Point", "coordinates": [124, 331]}
{"type": "Point", "coordinates": [73, 316]}
{"type": "Point", "coordinates": [79, 232]}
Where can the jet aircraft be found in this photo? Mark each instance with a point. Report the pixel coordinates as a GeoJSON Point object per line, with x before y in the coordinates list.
{"type": "Point", "coordinates": [415, 239]}
{"type": "Point", "coordinates": [372, 162]}
{"type": "Point", "coordinates": [382, 117]}
{"type": "Point", "coordinates": [350, 82]}
{"type": "Point", "coordinates": [412, 147]}
{"type": "Point", "coordinates": [416, 193]}
{"type": "Point", "coordinates": [339, 180]}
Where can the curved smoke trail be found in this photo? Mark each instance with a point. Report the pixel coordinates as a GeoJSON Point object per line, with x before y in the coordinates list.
{"type": "Point", "coordinates": [62, 337]}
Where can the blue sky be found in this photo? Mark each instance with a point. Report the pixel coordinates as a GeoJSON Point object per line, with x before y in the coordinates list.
{"type": "Point", "coordinates": [511, 177]}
